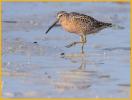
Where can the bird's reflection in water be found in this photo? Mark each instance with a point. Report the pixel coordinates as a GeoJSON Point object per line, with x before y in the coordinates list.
{"type": "Point", "coordinates": [76, 79]}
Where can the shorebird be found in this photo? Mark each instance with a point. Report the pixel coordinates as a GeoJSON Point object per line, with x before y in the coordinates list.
{"type": "Point", "coordinates": [79, 24]}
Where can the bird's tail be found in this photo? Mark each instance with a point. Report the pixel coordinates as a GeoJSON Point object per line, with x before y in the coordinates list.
{"type": "Point", "coordinates": [108, 24]}
{"type": "Point", "coordinates": [114, 26]}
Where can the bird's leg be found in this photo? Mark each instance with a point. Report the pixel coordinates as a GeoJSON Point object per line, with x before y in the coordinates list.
{"type": "Point", "coordinates": [72, 44]}
{"type": "Point", "coordinates": [83, 40]}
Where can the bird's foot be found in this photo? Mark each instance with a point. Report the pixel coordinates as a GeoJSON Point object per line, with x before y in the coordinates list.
{"type": "Point", "coordinates": [70, 45]}
{"type": "Point", "coordinates": [82, 52]}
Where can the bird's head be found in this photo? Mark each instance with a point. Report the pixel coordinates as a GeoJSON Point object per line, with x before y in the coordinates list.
{"type": "Point", "coordinates": [60, 14]}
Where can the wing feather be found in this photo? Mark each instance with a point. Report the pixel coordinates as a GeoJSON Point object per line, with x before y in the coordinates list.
{"type": "Point", "coordinates": [83, 18]}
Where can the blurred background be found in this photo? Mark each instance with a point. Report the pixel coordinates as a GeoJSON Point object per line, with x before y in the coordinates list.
{"type": "Point", "coordinates": [33, 64]}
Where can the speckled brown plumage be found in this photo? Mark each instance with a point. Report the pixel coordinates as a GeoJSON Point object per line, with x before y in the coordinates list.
{"type": "Point", "coordinates": [79, 24]}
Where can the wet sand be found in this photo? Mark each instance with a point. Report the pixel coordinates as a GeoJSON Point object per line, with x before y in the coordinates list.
{"type": "Point", "coordinates": [40, 66]}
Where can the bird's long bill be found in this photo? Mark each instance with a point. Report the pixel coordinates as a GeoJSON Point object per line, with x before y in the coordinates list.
{"type": "Point", "coordinates": [52, 26]}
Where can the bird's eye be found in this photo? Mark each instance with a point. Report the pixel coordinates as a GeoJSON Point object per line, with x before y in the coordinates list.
{"type": "Point", "coordinates": [59, 15]}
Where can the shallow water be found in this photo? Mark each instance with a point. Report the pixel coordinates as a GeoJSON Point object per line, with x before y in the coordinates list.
{"type": "Point", "coordinates": [34, 67]}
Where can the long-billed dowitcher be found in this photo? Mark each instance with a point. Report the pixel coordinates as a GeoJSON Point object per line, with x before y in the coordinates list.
{"type": "Point", "coordinates": [79, 24]}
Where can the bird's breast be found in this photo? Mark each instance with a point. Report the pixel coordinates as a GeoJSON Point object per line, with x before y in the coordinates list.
{"type": "Point", "coordinates": [70, 26]}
